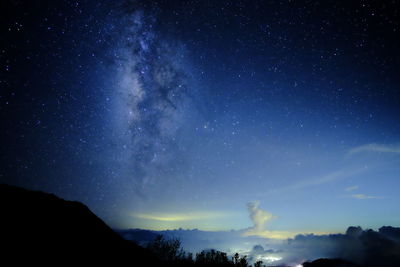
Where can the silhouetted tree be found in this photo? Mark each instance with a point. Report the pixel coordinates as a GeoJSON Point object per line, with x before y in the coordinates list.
{"type": "Point", "coordinates": [243, 262]}
{"type": "Point", "coordinates": [213, 258]}
{"type": "Point", "coordinates": [239, 261]}
{"type": "Point", "coordinates": [236, 258]}
{"type": "Point", "coordinates": [167, 250]}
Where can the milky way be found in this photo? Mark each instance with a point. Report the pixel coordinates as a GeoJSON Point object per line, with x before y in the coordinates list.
{"type": "Point", "coordinates": [151, 101]}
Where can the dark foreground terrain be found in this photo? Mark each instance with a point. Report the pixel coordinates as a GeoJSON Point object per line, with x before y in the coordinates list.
{"type": "Point", "coordinates": [40, 229]}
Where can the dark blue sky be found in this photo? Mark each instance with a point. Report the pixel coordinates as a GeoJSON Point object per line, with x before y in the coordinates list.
{"type": "Point", "coordinates": [177, 113]}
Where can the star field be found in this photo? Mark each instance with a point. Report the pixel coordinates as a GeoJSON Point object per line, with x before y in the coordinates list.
{"type": "Point", "coordinates": [164, 114]}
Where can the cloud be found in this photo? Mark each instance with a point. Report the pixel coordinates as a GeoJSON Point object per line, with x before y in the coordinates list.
{"type": "Point", "coordinates": [351, 188]}
{"type": "Point", "coordinates": [258, 253]}
{"type": "Point", "coordinates": [391, 148]}
{"type": "Point", "coordinates": [259, 218]}
{"type": "Point", "coordinates": [362, 196]}
{"type": "Point", "coordinates": [334, 176]}
{"type": "Point", "coordinates": [305, 183]}
{"type": "Point", "coordinates": [359, 196]}
{"type": "Point", "coordinates": [365, 247]}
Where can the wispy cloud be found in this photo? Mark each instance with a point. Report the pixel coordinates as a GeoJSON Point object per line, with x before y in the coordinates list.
{"type": "Point", "coordinates": [351, 188]}
{"type": "Point", "coordinates": [330, 177]}
{"type": "Point", "coordinates": [310, 182]}
{"type": "Point", "coordinates": [388, 148]}
{"type": "Point", "coordinates": [334, 176]}
{"type": "Point", "coordinates": [362, 196]}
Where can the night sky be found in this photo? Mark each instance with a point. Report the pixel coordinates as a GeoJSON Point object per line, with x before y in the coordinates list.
{"type": "Point", "coordinates": [193, 114]}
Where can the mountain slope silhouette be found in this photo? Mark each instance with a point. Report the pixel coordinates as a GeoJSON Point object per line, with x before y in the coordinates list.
{"type": "Point", "coordinates": [40, 228]}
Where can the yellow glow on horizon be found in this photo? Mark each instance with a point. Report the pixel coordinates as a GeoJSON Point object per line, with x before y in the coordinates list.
{"type": "Point", "coordinates": [163, 218]}
{"type": "Point", "coordinates": [209, 221]}
{"type": "Point", "coordinates": [178, 217]}
{"type": "Point", "coordinates": [200, 219]}
{"type": "Point", "coordinates": [282, 234]}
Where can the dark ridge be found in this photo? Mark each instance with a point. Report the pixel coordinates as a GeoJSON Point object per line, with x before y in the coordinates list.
{"type": "Point", "coordinates": [330, 263]}
{"type": "Point", "coordinates": [40, 228]}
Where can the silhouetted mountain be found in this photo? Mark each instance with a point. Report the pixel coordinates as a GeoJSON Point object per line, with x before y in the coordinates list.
{"type": "Point", "coordinates": [40, 228]}
{"type": "Point", "coordinates": [330, 263]}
